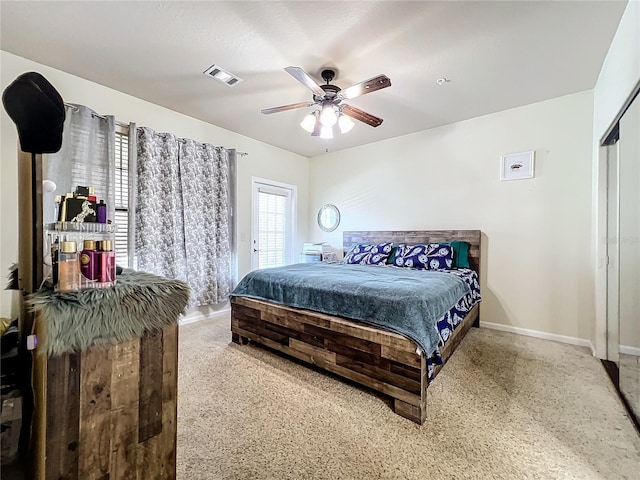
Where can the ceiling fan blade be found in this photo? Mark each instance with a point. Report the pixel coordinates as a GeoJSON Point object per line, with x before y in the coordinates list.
{"type": "Point", "coordinates": [362, 116]}
{"type": "Point", "coordinates": [368, 86]}
{"type": "Point", "coordinates": [300, 75]}
{"type": "Point", "coordinates": [284, 108]}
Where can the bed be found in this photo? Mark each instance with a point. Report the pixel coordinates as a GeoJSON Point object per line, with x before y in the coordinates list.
{"type": "Point", "coordinates": [366, 351]}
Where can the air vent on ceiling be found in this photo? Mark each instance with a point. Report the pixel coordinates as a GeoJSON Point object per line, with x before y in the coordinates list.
{"type": "Point", "coordinates": [222, 75]}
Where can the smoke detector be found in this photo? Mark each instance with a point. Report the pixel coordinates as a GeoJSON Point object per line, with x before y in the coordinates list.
{"type": "Point", "coordinates": [222, 75]}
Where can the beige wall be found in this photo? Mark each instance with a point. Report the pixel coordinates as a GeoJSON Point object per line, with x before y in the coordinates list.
{"type": "Point", "coordinates": [537, 232]}
{"type": "Point", "coordinates": [263, 160]}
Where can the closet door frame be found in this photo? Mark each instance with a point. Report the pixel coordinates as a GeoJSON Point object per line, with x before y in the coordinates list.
{"type": "Point", "coordinates": [599, 348]}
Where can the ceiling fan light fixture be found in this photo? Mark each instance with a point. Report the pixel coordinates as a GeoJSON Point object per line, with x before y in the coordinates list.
{"type": "Point", "coordinates": [345, 123]}
{"type": "Point", "coordinates": [328, 117]}
{"type": "Point", "coordinates": [326, 132]}
{"type": "Point", "coordinates": [308, 123]}
{"type": "Point", "coordinates": [330, 111]}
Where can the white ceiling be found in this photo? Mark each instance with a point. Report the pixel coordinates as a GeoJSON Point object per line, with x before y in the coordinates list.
{"type": "Point", "coordinates": [498, 55]}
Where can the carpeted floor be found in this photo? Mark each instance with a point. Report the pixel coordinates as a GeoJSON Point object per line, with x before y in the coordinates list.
{"type": "Point", "coordinates": [504, 407]}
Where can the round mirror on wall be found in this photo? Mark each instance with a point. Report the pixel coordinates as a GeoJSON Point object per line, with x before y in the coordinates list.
{"type": "Point", "coordinates": [328, 217]}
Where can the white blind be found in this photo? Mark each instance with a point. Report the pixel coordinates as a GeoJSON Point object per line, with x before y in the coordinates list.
{"type": "Point", "coordinates": [273, 212]}
{"type": "Point", "coordinates": [86, 170]}
{"type": "Point", "coordinates": [122, 199]}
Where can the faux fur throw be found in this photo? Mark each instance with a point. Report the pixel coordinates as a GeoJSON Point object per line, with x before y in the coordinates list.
{"type": "Point", "coordinates": [138, 302]}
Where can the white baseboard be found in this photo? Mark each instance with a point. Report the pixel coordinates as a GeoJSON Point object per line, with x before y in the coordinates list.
{"type": "Point", "coordinates": [198, 316]}
{"type": "Point", "coordinates": [581, 342]}
{"type": "Point", "coordinates": [629, 350]}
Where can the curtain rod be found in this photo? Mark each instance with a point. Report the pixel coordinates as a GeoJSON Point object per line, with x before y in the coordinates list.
{"type": "Point", "coordinates": [94, 114]}
{"type": "Point", "coordinates": [183, 140]}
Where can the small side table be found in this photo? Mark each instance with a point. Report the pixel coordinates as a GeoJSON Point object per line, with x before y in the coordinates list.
{"type": "Point", "coordinates": [310, 257]}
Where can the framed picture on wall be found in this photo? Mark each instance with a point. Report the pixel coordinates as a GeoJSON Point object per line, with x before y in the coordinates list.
{"type": "Point", "coordinates": [517, 166]}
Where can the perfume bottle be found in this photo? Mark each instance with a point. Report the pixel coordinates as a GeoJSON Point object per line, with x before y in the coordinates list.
{"type": "Point", "coordinates": [107, 262]}
{"type": "Point", "coordinates": [102, 212]}
{"type": "Point", "coordinates": [68, 268]}
{"type": "Point", "coordinates": [55, 248]}
{"type": "Point", "coordinates": [89, 260]}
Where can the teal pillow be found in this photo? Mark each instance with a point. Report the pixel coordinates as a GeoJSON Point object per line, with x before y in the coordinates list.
{"type": "Point", "coordinates": [460, 254]}
{"type": "Point", "coordinates": [395, 249]}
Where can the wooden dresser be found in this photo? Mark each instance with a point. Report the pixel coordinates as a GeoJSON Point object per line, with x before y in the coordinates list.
{"type": "Point", "coordinates": [108, 412]}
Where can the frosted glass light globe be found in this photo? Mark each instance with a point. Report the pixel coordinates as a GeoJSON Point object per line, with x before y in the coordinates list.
{"type": "Point", "coordinates": [345, 124]}
{"type": "Point", "coordinates": [328, 117]}
{"type": "Point", "coordinates": [326, 132]}
{"type": "Point", "coordinates": [308, 122]}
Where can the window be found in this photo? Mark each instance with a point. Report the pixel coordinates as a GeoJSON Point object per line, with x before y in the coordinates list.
{"type": "Point", "coordinates": [121, 216]}
{"type": "Point", "coordinates": [272, 215]}
{"type": "Point", "coordinates": [85, 168]}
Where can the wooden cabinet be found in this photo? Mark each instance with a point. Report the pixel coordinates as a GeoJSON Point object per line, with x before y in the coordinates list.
{"type": "Point", "coordinates": [108, 412]}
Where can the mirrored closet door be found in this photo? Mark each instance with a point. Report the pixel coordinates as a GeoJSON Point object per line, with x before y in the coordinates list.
{"type": "Point", "coordinates": [628, 252]}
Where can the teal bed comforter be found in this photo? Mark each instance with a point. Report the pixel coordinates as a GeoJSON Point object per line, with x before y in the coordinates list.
{"type": "Point", "coordinates": [405, 301]}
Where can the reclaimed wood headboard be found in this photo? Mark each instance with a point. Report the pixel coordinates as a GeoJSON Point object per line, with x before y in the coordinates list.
{"type": "Point", "coordinates": [413, 237]}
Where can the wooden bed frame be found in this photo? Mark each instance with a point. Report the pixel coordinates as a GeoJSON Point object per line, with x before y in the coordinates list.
{"type": "Point", "coordinates": [378, 359]}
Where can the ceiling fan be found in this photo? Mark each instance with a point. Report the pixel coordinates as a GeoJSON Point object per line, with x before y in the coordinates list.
{"type": "Point", "coordinates": [329, 98]}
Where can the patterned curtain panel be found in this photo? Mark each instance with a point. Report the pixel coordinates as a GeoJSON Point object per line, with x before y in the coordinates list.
{"type": "Point", "coordinates": [159, 209]}
{"type": "Point", "coordinates": [183, 212]}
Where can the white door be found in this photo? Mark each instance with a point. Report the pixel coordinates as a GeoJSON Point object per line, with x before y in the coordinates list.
{"type": "Point", "coordinates": [273, 232]}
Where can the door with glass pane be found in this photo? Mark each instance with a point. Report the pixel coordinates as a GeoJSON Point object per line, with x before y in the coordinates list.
{"type": "Point", "coordinates": [273, 225]}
